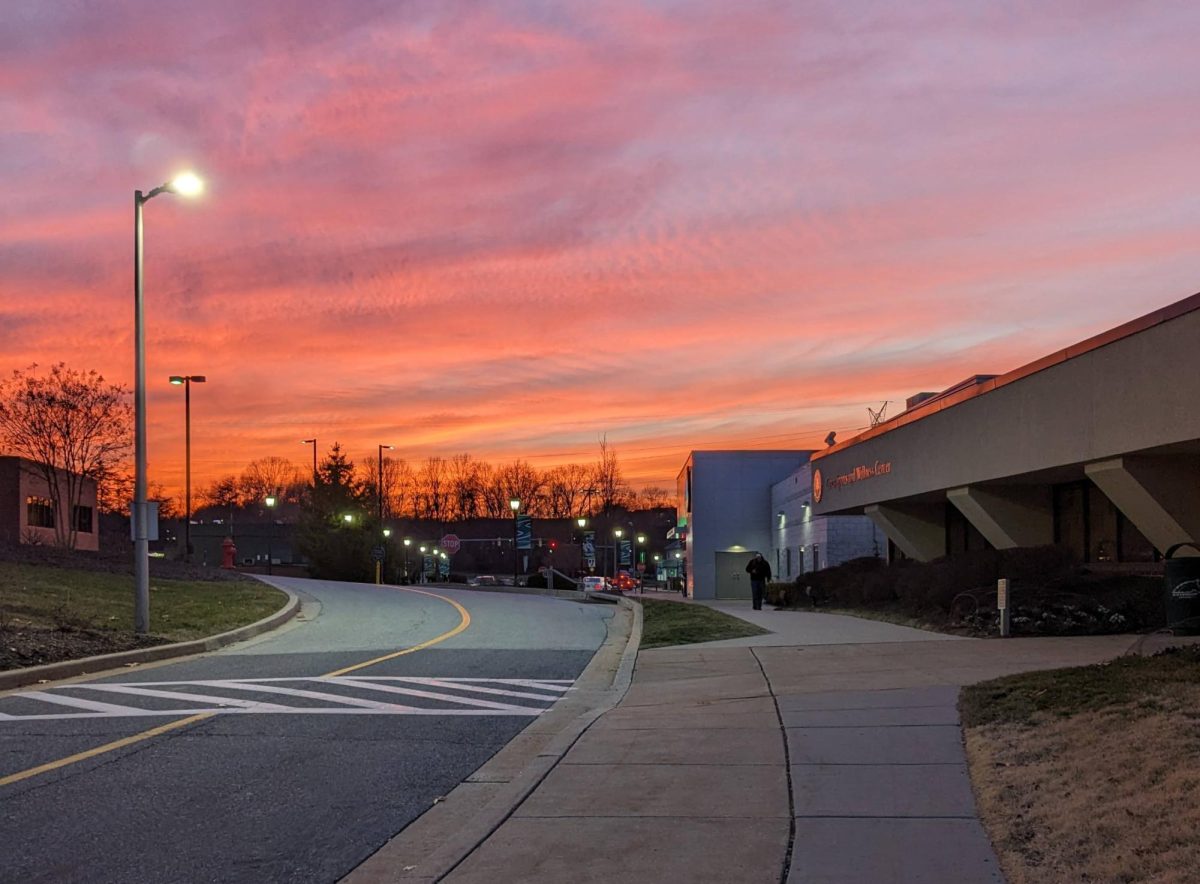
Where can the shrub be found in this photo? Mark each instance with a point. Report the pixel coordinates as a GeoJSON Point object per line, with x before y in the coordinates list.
{"type": "Point", "coordinates": [1051, 594]}
{"type": "Point", "coordinates": [536, 581]}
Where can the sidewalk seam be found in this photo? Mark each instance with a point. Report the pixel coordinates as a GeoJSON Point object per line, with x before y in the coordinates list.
{"type": "Point", "coordinates": [787, 769]}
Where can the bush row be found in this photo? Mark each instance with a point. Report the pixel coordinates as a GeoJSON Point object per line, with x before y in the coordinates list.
{"type": "Point", "coordinates": [1050, 592]}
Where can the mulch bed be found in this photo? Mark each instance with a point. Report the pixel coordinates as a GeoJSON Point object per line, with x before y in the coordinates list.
{"type": "Point", "coordinates": [21, 648]}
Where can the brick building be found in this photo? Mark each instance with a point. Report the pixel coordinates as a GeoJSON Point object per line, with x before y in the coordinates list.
{"type": "Point", "coordinates": [28, 513]}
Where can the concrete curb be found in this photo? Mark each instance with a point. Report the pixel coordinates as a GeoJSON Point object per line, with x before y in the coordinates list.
{"type": "Point", "coordinates": [19, 678]}
{"type": "Point", "coordinates": [435, 843]}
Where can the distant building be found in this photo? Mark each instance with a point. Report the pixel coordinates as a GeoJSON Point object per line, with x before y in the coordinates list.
{"type": "Point", "coordinates": [28, 514]}
{"type": "Point", "coordinates": [733, 504]}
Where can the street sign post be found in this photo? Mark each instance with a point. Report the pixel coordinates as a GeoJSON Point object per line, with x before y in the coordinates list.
{"type": "Point", "coordinates": [378, 553]}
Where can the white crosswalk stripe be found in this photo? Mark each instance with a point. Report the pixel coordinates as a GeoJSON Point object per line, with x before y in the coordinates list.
{"type": "Point", "coordinates": [327, 695]}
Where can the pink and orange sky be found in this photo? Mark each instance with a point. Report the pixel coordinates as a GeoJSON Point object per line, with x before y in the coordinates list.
{"type": "Point", "coordinates": [512, 228]}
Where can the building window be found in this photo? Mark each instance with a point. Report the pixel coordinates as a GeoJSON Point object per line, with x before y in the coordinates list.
{"type": "Point", "coordinates": [39, 512]}
{"type": "Point", "coordinates": [83, 519]}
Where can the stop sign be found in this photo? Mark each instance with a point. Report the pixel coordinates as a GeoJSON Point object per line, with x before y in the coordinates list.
{"type": "Point", "coordinates": [451, 544]}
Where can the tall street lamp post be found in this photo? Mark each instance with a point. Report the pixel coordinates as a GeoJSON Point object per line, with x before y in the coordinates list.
{"type": "Point", "coordinates": [270, 502]}
{"type": "Point", "coordinates": [313, 443]}
{"type": "Point", "coordinates": [617, 532]}
{"type": "Point", "coordinates": [407, 544]}
{"type": "Point", "coordinates": [185, 184]}
{"type": "Point", "coordinates": [187, 380]}
{"type": "Point", "coordinates": [515, 506]}
{"type": "Point", "coordinates": [379, 480]}
{"type": "Point", "coordinates": [641, 540]}
{"type": "Point", "coordinates": [582, 523]}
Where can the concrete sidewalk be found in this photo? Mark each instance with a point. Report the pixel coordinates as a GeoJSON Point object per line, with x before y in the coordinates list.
{"type": "Point", "coordinates": [819, 762]}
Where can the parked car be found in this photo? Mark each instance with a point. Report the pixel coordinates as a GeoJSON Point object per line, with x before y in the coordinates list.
{"type": "Point", "coordinates": [625, 582]}
{"type": "Point", "coordinates": [593, 584]}
{"type": "Point", "coordinates": [483, 580]}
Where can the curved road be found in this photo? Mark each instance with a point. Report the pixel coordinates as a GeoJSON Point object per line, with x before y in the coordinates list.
{"type": "Point", "coordinates": [293, 756]}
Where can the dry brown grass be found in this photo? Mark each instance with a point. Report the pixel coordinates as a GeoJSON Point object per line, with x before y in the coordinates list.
{"type": "Point", "coordinates": [1108, 795]}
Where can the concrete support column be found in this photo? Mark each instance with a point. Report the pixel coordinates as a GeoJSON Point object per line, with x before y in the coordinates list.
{"type": "Point", "coordinates": [919, 530]}
{"type": "Point", "coordinates": [1160, 495]}
{"type": "Point", "coordinates": [1008, 516]}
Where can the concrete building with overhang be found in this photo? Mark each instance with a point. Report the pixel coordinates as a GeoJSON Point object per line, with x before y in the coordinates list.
{"type": "Point", "coordinates": [1095, 447]}
{"type": "Point", "coordinates": [732, 504]}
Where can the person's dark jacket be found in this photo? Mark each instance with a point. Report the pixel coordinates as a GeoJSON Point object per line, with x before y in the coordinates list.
{"type": "Point", "coordinates": [758, 569]}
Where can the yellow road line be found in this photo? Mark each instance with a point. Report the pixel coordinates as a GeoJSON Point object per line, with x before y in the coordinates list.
{"type": "Point", "coordinates": [100, 750]}
{"type": "Point", "coordinates": [464, 622]}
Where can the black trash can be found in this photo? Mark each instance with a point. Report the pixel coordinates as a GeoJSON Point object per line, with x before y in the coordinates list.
{"type": "Point", "coordinates": [1182, 578]}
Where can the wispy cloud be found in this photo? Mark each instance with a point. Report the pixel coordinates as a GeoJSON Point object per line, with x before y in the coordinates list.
{"type": "Point", "coordinates": [511, 227]}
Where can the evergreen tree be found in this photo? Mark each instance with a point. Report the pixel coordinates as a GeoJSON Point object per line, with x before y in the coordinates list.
{"type": "Point", "coordinates": [337, 528]}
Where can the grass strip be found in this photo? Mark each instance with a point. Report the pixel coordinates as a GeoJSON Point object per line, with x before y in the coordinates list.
{"type": "Point", "coordinates": [1090, 773]}
{"type": "Point", "coordinates": [678, 623]}
{"type": "Point", "coordinates": [39, 597]}
{"type": "Point", "coordinates": [1022, 699]}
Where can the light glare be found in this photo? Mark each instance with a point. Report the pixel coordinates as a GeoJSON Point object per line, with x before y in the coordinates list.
{"type": "Point", "coordinates": [187, 184]}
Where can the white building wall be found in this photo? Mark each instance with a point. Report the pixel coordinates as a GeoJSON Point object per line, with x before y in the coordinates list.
{"type": "Point", "coordinates": [802, 542]}
{"type": "Point", "coordinates": [729, 507]}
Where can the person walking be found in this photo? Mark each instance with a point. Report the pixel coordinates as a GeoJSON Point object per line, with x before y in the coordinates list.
{"type": "Point", "coordinates": [760, 572]}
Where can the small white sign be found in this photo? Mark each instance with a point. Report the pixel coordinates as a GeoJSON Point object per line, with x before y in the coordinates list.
{"type": "Point", "coordinates": [1002, 593]}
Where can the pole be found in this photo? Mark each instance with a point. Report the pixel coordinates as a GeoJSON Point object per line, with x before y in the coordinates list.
{"type": "Point", "coordinates": [378, 564]}
{"type": "Point", "coordinates": [141, 541]}
{"type": "Point", "coordinates": [187, 468]}
{"type": "Point", "coordinates": [314, 462]}
{"type": "Point", "coordinates": [516, 552]}
{"type": "Point", "coordinates": [379, 495]}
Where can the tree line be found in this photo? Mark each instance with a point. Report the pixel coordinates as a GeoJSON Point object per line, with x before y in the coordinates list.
{"type": "Point", "coordinates": [70, 424]}
{"type": "Point", "coordinates": [444, 489]}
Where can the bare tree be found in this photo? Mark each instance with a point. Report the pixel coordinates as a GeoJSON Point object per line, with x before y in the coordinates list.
{"type": "Point", "coordinates": [566, 490]}
{"type": "Point", "coordinates": [431, 489]}
{"type": "Point", "coordinates": [523, 482]}
{"type": "Point", "coordinates": [399, 483]}
{"type": "Point", "coordinates": [653, 497]}
{"type": "Point", "coordinates": [114, 492]}
{"type": "Point", "coordinates": [465, 488]}
{"type": "Point", "coordinates": [493, 494]}
{"type": "Point", "coordinates": [270, 477]}
{"type": "Point", "coordinates": [223, 492]}
{"type": "Point", "coordinates": [168, 506]}
{"type": "Point", "coordinates": [71, 427]}
{"type": "Point", "coordinates": [611, 490]}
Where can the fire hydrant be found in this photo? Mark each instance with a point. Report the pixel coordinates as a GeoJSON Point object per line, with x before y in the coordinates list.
{"type": "Point", "coordinates": [228, 552]}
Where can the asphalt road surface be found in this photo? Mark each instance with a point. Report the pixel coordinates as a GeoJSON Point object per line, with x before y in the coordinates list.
{"type": "Point", "coordinates": [283, 758]}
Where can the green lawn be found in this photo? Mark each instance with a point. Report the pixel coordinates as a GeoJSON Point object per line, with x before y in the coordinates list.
{"type": "Point", "coordinates": [1064, 692]}
{"type": "Point", "coordinates": [44, 597]}
{"type": "Point", "coordinates": [678, 623]}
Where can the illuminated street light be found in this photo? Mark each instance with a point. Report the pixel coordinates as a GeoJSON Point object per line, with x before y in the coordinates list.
{"type": "Point", "coordinates": [348, 518]}
{"type": "Point", "coordinates": [186, 184]}
{"type": "Point", "coordinates": [617, 532]}
{"type": "Point", "coordinates": [186, 382]}
{"type": "Point", "coordinates": [270, 502]}
{"type": "Point", "coordinates": [514, 504]}
{"type": "Point", "coordinates": [407, 544]}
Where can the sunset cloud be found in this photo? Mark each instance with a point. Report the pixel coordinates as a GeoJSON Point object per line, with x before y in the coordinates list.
{"type": "Point", "coordinates": [512, 228]}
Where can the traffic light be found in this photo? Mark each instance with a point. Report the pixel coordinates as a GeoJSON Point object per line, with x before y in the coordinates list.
{"type": "Point", "coordinates": [553, 545]}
